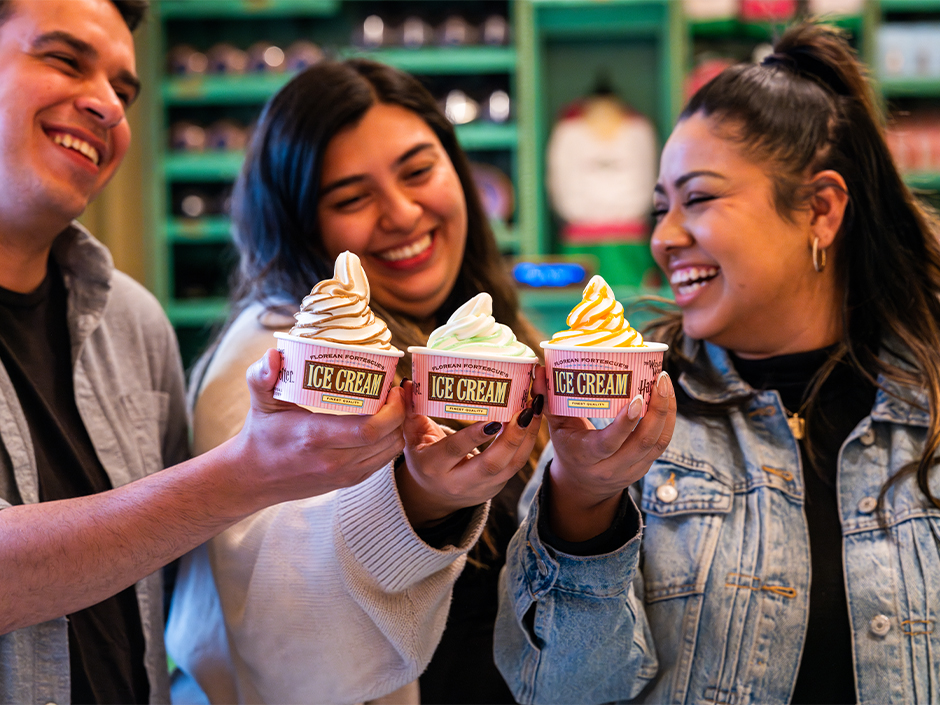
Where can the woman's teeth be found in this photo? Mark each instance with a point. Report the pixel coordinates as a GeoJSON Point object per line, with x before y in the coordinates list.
{"type": "Point", "coordinates": [78, 145]}
{"type": "Point", "coordinates": [692, 279]}
{"type": "Point", "coordinates": [408, 251]}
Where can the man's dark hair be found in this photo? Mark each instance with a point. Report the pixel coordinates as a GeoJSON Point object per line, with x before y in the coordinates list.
{"type": "Point", "coordinates": [132, 11]}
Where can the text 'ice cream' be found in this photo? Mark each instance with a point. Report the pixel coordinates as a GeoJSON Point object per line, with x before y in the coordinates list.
{"type": "Point", "coordinates": [337, 310]}
{"type": "Point", "coordinates": [598, 321]}
{"type": "Point", "coordinates": [472, 329]}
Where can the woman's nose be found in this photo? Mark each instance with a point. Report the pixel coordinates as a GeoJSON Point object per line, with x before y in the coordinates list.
{"type": "Point", "coordinates": [669, 234]}
{"type": "Point", "coordinates": [400, 212]}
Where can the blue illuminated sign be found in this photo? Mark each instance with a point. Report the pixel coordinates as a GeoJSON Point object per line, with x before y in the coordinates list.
{"type": "Point", "coordinates": [549, 274]}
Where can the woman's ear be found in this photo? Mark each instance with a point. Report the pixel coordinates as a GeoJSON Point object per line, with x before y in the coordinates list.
{"type": "Point", "coordinates": [828, 203]}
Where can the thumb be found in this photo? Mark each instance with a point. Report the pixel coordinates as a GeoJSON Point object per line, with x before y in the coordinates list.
{"type": "Point", "coordinates": [261, 378]}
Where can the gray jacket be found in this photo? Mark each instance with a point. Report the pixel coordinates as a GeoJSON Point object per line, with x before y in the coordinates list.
{"type": "Point", "coordinates": [129, 391]}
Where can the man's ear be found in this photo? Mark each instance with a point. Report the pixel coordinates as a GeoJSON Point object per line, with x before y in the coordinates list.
{"type": "Point", "coordinates": [828, 203]}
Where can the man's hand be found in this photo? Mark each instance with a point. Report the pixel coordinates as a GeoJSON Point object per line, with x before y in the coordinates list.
{"type": "Point", "coordinates": [294, 453]}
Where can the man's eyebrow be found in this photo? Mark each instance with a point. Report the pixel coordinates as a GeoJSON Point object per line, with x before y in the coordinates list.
{"type": "Point", "coordinates": [685, 178]}
{"type": "Point", "coordinates": [354, 179]}
{"type": "Point", "coordinates": [82, 47]}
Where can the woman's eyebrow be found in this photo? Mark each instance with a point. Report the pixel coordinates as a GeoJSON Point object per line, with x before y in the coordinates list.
{"type": "Point", "coordinates": [685, 178]}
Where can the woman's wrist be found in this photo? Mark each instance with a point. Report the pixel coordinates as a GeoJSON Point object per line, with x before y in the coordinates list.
{"type": "Point", "coordinates": [421, 507]}
{"type": "Point", "coordinates": [576, 511]}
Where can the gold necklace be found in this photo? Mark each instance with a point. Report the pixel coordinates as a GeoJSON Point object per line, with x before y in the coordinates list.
{"type": "Point", "coordinates": [797, 424]}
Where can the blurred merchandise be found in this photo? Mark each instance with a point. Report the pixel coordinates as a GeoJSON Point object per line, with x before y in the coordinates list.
{"type": "Point", "coordinates": [373, 33]}
{"type": "Point", "coordinates": [909, 50]}
{"type": "Point", "coordinates": [835, 7]}
{"type": "Point", "coordinates": [497, 107]}
{"type": "Point", "coordinates": [226, 135]}
{"type": "Point", "coordinates": [456, 31]}
{"type": "Point", "coordinates": [768, 10]}
{"type": "Point", "coordinates": [416, 33]}
{"type": "Point", "coordinates": [225, 58]}
{"type": "Point", "coordinates": [186, 136]}
{"type": "Point", "coordinates": [710, 9]}
{"type": "Point", "coordinates": [495, 31]}
{"type": "Point", "coordinates": [193, 203]}
{"type": "Point", "coordinates": [495, 189]}
{"type": "Point", "coordinates": [914, 141]}
{"type": "Point", "coordinates": [184, 60]}
{"type": "Point", "coordinates": [302, 54]}
{"type": "Point", "coordinates": [705, 70]}
{"type": "Point", "coordinates": [601, 170]}
{"type": "Point", "coordinates": [264, 57]}
{"type": "Point", "coordinates": [460, 108]}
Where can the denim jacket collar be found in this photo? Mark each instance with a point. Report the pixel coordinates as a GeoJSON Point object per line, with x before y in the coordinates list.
{"type": "Point", "coordinates": [903, 405]}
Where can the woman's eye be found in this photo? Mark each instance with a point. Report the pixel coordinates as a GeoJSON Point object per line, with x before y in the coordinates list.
{"type": "Point", "coordinates": [418, 172]}
{"type": "Point", "coordinates": [659, 211]}
{"type": "Point", "coordinates": [695, 199]}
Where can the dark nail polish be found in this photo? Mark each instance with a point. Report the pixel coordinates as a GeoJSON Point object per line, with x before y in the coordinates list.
{"type": "Point", "coordinates": [492, 428]}
{"type": "Point", "coordinates": [525, 418]}
{"type": "Point", "coordinates": [538, 404]}
{"type": "Point", "coordinates": [403, 380]}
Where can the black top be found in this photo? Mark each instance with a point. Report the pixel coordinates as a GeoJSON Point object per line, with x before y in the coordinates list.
{"type": "Point", "coordinates": [826, 673]}
{"type": "Point", "coordinates": [106, 641]}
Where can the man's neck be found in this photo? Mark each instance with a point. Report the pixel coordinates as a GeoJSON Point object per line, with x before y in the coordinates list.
{"type": "Point", "coordinates": [23, 264]}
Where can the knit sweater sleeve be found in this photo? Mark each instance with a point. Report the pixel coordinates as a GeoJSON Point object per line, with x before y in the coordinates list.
{"type": "Point", "coordinates": [333, 595]}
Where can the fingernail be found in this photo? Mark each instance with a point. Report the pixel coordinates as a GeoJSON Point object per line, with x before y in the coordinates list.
{"type": "Point", "coordinates": [525, 418]}
{"type": "Point", "coordinates": [403, 380]}
{"type": "Point", "coordinates": [492, 428]}
{"type": "Point", "coordinates": [663, 384]}
{"type": "Point", "coordinates": [538, 404]}
{"type": "Point", "coordinates": [265, 366]}
{"type": "Point", "coordinates": [635, 408]}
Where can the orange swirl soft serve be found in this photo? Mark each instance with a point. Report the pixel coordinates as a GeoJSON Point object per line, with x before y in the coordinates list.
{"type": "Point", "coordinates": [598, 321]}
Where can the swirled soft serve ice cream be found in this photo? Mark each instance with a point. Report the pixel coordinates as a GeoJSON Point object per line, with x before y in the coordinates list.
{"type": "Point", "coordinates": [600, 362]}
{"type": "Point", "coordinates": [338, 357]}
{"type": "Point", "coordinates": [472, 368]}
{"type": "Point", "coordinates": [598, 321]}
{"type": "Point", "coordinates": [472, 329]}
{"type": "Point", "coordinates": [337, 310]}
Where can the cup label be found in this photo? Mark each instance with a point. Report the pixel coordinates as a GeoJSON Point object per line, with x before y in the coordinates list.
{"type": "Point", "coordinates": [583, 383]}
{"type": "Point", "coordinates": [339, 379]}
{"type": "Point", "coordinates": [467, 389]}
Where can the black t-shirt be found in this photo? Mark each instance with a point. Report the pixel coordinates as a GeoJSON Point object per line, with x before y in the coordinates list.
{"type": "Point", "coordinates": [826, 673]}
{"type": "Point", "coordinates": [106, 641]}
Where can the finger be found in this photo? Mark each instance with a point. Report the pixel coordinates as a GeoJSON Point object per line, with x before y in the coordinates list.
{"type": "Point", "coordinates": [513, 446]}
{"type": "Point", "coordinates": [262, 378]}
{"type": "Point", "coordinates": [659, 419]}
{"type": "Point", "coordinates": [540, 382]}
{"type": "Point", "coordinates": [608, 440]}
{"type": "Point", "coordinates": [380, 455]}
{"type": "Point", "coordinates": [453, 448]}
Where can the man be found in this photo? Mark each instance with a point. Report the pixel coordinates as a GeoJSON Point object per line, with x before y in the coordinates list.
{"type": "Point", "coordinates": [91, 388]}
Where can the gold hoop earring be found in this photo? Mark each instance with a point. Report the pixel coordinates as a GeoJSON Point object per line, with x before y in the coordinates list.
{"type": "Point", "coordinates": [819, 256]}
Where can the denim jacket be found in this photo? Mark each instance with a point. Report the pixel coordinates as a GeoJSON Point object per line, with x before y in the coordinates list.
{"type": "Point", "coordinates": [129, 391]}
{"type": "Point", "coordinates": [709, 603]}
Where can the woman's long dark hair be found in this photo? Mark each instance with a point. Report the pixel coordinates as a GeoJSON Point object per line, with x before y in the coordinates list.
{"type": "Point", "coordinates": [807, 108]}
{"type": "Point", "coordinates": [275, 219]}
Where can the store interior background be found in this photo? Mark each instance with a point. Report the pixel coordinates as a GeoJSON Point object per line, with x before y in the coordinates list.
{"type": "Point", "coordinates": [644, 52]}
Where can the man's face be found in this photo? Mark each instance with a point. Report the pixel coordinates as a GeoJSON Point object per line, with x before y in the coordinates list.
{"type": "Point", "coordinates": [67, 74]}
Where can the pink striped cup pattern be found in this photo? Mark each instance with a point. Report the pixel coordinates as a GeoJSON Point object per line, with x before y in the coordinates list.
{"type": "Point", "coordinates": [470, 387]}
{"type": "Point", "coordinates": [348, 379]}
{"type": "Point", "coordinates": [598, 382]}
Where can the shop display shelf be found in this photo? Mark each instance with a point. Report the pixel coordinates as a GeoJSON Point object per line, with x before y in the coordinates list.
{"type": "Point", "coordinates": [211, 9]}
{"type": "Point", "coordinates": [205, 229]}
{"type": "Point", "coordinates": [195, 312]}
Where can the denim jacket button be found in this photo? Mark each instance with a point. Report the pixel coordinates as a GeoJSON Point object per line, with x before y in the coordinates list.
{"type": "Point", "coordinates": [868, 437]}
{"type": "Point", "coordinates": [879, 625]}
{"type": "Point", "coordinates": [866, 505]}
{"type": "Point", "coordinates": [667, 493]}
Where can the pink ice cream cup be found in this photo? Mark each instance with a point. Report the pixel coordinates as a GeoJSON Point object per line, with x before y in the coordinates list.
{"type": "Point", "coordinates": [460, 385]}
{"type": "Point", "coordinates": [334, 378]}
{"type": "Point", "coordinates": [599, 382]}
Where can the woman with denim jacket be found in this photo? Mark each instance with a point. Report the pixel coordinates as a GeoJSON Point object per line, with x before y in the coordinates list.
{"type": "Point", "coordinates": [789, 546]}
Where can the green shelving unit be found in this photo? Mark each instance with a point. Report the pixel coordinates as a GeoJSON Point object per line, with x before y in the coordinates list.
{"type": "Point", "coordinates": [180, 242]}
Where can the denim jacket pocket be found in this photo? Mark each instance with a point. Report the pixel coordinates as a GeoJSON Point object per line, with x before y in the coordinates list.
{"type": "Point", "coordinates": [684, 503]}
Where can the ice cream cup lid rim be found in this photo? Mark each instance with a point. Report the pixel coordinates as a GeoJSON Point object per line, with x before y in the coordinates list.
{"type": "Point", "coordinates": [646, 347]}
{"type": "Point", "coordinates": [423, 350]}
{"type": "Point", "coordinates": [394, 352]}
